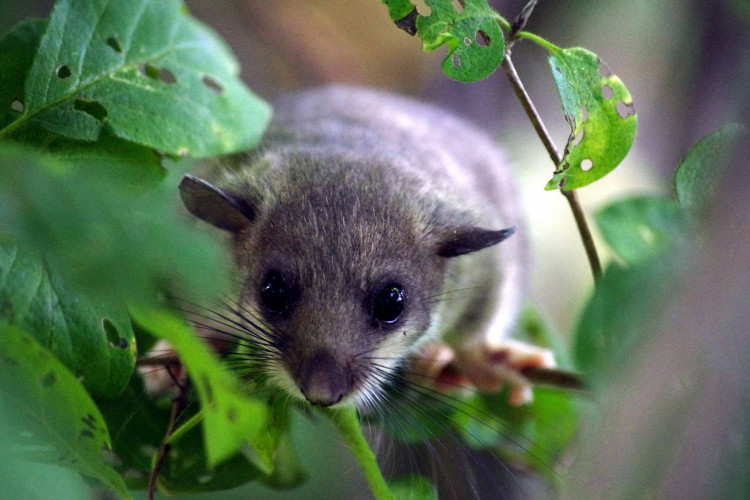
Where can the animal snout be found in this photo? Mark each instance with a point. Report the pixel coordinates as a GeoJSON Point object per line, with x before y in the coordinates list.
{"type": "Point", "coordinates": [324, 380]}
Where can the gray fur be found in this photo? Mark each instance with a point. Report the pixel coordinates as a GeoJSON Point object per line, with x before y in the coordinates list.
{"type": "Point", "coordinates": [352, 189]}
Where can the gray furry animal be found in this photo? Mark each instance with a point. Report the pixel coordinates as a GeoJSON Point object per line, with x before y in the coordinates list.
{"type": "Point", "coordinates": [372, 232]}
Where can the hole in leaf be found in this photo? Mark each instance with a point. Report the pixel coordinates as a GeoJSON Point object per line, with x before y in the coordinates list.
{"type": "Point", "coordinates": [167, 76]}
{"type": "Point", "coordinates": [110, 331]}
{"type": "Point", "coordinates": [212, 84]}
{"type": "Point", "coordinates": [467, 40]}
{"type": "Point", "coordinates": [481, 38]}
{"type": "Point", "coordinates": [123, 343]}
{"type": "Point", "coordinates": [458, 5]}
{"type": "Point", "coordinates": [49, 379]}
{"type": "Point", "coordinates": [115, 44]}
{"type": "Point", "coordinates": [63, 72]}
{"type": "Point", "coordinates": [587, 164]}
{"type": "Point", "coordinates": [156, 73]}
{"type": "Point", "coordinates": [86, 433]}
{"type": "Point", "coordinates": [92, 108]}
{"type": "Point", "coordinates": [456, 61]}
{"type": "Point", "coordinates": [577, 139]}
{"type": "Point", "coordinates": [17, 106]}
{"type": "Point", "coordinates": [625, 109]}
{"type": "Point", "coordinates": [607, 92]}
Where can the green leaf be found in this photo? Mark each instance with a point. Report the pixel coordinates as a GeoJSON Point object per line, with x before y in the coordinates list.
{"type": "Point", "coordinates": [17, 50]}
{"type": "Point", "coordinates": [700, 171]}
{"type": "Point", "coordinates": [599, 109]}
{"type": "Point", "coordinates": [476, 45]}
{"type": "Point", "coordinates": [142, 244]}
{"type": "Point", "coordinates": [95, 341]}
{"type": "Point", "coordinates": [54, 419]}
{"type": "Point", "coordinates": [413, 488]}
{"type": "Point", "coordinates": [640, 228]}
{"type": "Point", "coordinates": [144, 71]}
{"type": "Point", "coordinates": [625, 306]}
{"type": "Point", "coordinates": [232, 418]}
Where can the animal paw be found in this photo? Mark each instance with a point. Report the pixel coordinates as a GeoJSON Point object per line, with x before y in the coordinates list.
{"type": "Point", "coordinates": [484, 368]}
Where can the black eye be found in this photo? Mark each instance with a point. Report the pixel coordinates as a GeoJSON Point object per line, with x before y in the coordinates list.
{"type": "Point", "coordinates": [389, 303]}
{"type": "Point", "coordinates": [274, 292]}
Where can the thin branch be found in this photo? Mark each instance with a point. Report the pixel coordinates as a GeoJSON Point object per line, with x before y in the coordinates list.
{"type": "Point", "coordinates": [554, 378]}
{"type": "Point", "coordinates": [554, 154]}
{"type": "Point", "coordinates": [178, 405]}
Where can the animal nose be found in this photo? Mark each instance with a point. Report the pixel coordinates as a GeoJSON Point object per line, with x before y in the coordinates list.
{"type": "Point", "coordinates": [324, 381]}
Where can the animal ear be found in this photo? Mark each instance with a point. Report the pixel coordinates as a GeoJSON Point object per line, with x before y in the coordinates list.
{"type": "Point", "coordinates": [214, 205]}
{"type": "Point", "coordinates": [468, 239]}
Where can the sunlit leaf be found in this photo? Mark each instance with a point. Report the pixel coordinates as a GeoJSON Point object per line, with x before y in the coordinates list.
{"type": "Point", "coordinates": [600, 112]}
{"type": "Point", "coordinates": [51, 416]}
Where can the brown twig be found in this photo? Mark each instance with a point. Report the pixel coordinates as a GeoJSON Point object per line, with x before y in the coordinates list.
{"type": "Point", "coordinates": [554, 378]}
{"type": "Point", "coordinates": [554, 154]}
{"type": "Point", "coordinates": [178, 405]}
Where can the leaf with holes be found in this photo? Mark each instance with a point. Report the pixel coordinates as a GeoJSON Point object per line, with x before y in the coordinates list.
{"type": "Point", "coordinates": [49, 413]}
{"type": "Point", "coordinates": [96, 342]}
{"type": "Point", "coordinates": [640, 228]}
{"type": "Point", "coordinates": [699, 173]}
{"type": "Point", "coordinates": [476, 46]}
{"type": "Point", "coordinates": [142, 70]}
{"type": "Point", "coordinates": [599, 109]}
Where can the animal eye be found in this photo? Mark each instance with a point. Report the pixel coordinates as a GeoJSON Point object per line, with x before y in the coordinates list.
{"type": "Point", "coordinates": [274, 292]}
{"type": "Point", "coordinates": [389, 303]}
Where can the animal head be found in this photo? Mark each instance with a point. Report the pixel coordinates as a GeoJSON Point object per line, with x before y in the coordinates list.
{"type": "Point", "coordinates": [340, 265]}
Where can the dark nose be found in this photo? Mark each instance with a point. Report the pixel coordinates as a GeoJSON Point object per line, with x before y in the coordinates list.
{"type": "Point", "coordinates": [324, 381]}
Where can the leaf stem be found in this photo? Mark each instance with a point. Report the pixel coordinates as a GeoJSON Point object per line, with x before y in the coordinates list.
{"type": "Point", "coordinates": [346, 422]}
{"type": "Point", "coordinates": [554, 154]}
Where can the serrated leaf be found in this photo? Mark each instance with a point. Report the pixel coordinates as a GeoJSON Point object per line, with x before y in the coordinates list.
{"type": "Point", "coordinates": [144, 71]}
{"type": "Point", "coordinates": [17, 50]}
{"type": "Point", "coordinates": [640, 228]}
{"type": "Point", "coordinates": [142, 245]}
{"type": "Point", "coordinates": [476, 45]}
{"type": "Point", "coordinates": [599, 109]}
{"type": "Point", "coordinates": [53, 418]}
{"type": "Point", "coordinates": [95, 341]}
{"type": "Point", "coordinates": [700, 171]}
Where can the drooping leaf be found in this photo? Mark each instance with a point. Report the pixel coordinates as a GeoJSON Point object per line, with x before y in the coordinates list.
{"type": "Point", "coordinates": [17, 50]}
{"type": "Point", "coordinates": [231, 417]}
{"type": "Point", "coordinates": [640, 228]}
{"type": "Point", "coordinates": [700, 171]}
{"type": "Point", "coordinates": [600, 112]}
{"type": "Point", "coordinates": [476, 45]}
{"type": "Point", "coordinates": [144, 71]}
{"type": "Point", "coordinates": [102, 236]}
{"type": "Point", "coordinates": [94, 340]}
{"type": "Point", "coordinates": [51, 416]}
